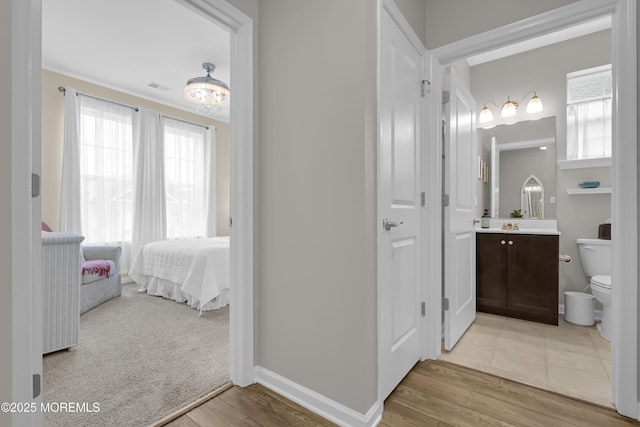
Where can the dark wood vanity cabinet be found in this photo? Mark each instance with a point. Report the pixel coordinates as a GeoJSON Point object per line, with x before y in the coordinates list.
{"type": "Point", "coordinates": [517, 275]}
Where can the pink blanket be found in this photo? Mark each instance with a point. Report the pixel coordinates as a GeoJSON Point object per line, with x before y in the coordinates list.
{"type": "Point", "coordinates": [99, 267]}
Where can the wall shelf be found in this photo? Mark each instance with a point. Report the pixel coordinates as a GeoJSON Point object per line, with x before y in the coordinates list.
{"type": "Point", "coordinates": [599, 190]}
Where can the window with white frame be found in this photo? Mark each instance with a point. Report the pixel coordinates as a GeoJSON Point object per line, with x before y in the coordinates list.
{"type": "Point", "coordinates": [589, 107]}
{"type": "Point", "coordinates": [106, 177]}
{"type": "Point", "coordinates": [184, 170]}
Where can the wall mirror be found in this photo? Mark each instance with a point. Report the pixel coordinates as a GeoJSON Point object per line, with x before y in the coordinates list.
{"type": "Point", "coordinates": [518, 152]}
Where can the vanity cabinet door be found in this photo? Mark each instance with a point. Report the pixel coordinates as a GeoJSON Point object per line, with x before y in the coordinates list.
{"type": "Point", "coordinates": [532, 276]}
{"type": "Point", "coordinates": [491, 272]}
{"type": "Point", "coordinates": [517, 276]}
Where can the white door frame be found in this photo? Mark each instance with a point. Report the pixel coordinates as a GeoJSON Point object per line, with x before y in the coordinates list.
{"type": "Point", "coordinates": [25, 62]}
{"type": "Point", "coordinates": [624, 171]}
{"type": "Point", "coordinates": [240, 28]}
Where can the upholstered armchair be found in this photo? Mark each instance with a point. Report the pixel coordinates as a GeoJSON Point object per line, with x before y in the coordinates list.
{"type": "Point", "coordinates": [97, 285]}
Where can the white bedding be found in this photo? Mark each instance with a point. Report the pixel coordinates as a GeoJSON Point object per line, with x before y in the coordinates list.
{"type": "Point", "coordinates": [195, 271]}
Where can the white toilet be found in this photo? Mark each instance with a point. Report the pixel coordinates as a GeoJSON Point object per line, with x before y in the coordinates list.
{"type": "Point", "coordinates": [595, 255]}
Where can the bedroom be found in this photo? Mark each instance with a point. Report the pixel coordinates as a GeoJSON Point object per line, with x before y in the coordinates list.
{"type": "Point", "coordinates": [99, 80]}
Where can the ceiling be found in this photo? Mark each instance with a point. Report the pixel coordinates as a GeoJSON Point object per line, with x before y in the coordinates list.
{"type": "Point", "coordinates": [127, 44]}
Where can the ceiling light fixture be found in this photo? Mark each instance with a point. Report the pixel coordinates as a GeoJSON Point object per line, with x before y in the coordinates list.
{"type": "Point", "coordinates": [510, 108]}
{"type": "Point", "coordinates": [209, 94]}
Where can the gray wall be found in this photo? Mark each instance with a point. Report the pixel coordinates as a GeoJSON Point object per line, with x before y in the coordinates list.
{"type": "Point", "coordinates": [452, 20]}
{"type": "Point", "coordinates": [316, 307]}
{"type": "Point", "coordinates": [544, 70]}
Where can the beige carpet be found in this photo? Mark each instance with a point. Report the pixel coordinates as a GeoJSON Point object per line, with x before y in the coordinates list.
{"type": "Point", "coordinates": [140, 358]}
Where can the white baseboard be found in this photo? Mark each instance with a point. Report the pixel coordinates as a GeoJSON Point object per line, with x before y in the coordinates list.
{"type": "Point", "coordinates": [316, 402]}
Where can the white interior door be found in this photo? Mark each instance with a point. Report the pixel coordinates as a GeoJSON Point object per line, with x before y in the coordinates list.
{"type": "Point", "coordinates": [399, 204]}
{"type": "Point", "coordinates": [459, 227]}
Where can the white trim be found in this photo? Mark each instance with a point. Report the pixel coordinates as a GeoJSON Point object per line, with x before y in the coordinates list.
{"type": "Point", "coordinates": [26, 324]}
{"type": "Point", "coordinates": [532, 143]}
{"type": "Point", "coordinates": [625, 174]}
{"type": "Point", "coordinates": [535, 26]}
{"type": "Point", "coordinates": [585, 163]}
{"type": "Point", "coordinates": [624, 203]}
{"type": "Point", "coordinates": [402, 23]}
{"type": "Point", "coordinates": [316, 402]}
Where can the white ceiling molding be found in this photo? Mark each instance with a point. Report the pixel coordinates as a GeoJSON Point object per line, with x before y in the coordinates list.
{"type": "Point", "coordinates": [583, 29]}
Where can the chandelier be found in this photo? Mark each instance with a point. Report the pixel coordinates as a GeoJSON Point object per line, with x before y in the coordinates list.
{"type": "Point", "coordinates": [209, 94]}
{"type": "Point", "coordinates": [509, 108]}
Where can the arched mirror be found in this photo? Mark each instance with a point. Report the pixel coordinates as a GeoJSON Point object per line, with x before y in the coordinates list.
{"type": "Point", "coordinates": [532, 198]}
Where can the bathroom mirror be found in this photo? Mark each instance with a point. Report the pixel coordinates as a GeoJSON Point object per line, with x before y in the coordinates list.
{"type": "Point", "coordinates": [532, 198]}
{"type": "Point", "coordinates": [515, 153]}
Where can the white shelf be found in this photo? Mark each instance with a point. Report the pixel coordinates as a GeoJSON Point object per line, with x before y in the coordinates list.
{"type": "Point", "coordinates": [599, 190]}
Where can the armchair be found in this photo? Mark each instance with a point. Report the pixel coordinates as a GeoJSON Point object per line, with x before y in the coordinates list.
{"type": "Point", "coordinates": [97, 289]}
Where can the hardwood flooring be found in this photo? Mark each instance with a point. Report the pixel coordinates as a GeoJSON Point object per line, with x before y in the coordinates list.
{"type": "Point", "coordinates": [435, 393]}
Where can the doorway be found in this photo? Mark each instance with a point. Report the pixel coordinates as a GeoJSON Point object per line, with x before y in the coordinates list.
{"type": "Point", "coordinates": [625, 296]}
{"type": "Point", "coordinates": [240, 27]}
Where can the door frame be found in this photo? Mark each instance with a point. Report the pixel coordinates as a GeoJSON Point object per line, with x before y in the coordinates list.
{"type": "Point", "coordinates": [241, 316]}
{"type": "Point", "coordinates": [25, 62]}
{"type": "Point", "coordinates": [624, 200]}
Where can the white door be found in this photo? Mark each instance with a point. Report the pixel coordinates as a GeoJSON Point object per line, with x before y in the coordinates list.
{"type": "Point", "coordinates": [459, 228]}
{"type": "Point", "coordinates": [399, 204]}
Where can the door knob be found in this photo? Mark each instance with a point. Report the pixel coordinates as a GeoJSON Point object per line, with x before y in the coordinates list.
{"type": "Point", "coordinates": [510, 242]}
{"type": "Point", "coordinates": [475, 221]}
{"type": "Point", "coordinates": [502, 242]}
{"type": "Point", "coordinates": [388, 224]}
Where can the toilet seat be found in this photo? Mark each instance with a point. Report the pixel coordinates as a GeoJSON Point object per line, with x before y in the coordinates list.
{"type": "Point", "coordinates": [601, 281]}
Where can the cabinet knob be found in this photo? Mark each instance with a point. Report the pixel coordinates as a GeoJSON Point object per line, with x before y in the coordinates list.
{"type": "Point", "coordinates": [502, 242]}
{"type": "Point", "coordinates": [510, 242]}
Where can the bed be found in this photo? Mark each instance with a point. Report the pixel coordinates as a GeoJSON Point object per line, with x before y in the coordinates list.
{"type": "Point", "coordinates": [195, 271]}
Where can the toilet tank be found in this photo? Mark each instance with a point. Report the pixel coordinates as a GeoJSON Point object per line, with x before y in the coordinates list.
{"type": "Point", "coordinates": [595, 255]}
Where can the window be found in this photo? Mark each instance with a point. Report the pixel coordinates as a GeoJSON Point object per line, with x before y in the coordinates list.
{"type": "Point", "coordinates": [106, 178]}
{"type": "Point", "coordinates": [589, 100]}
{"type": "Point", "coordinates": [184, 170]}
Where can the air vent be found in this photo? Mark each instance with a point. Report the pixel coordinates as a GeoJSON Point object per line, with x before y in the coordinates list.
{"type": "Point", "coordinates": [159, 86]}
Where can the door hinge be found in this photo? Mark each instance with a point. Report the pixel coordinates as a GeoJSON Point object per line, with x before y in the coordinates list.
{"type": "Point", "coordinates": [230, 222]}
{"type": "Point", "coordinates": [445, 97]}
{"type": "Point", "coordinates": [35, 185]}
{"type": "Point", "coordinates": [423, 199]}
{"type": "Point", "coordinates": [423, 308]}
{"type": "Point", "coordinates": [424, 87]}
{"type": "Point", "coordinates": [36, 385]}
{"type": "Point", "coordinates": [445, 200]}
{"type": "Point", "coordinates": [445, 304]}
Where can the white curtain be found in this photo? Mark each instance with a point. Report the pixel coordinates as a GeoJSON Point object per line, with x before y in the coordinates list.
{"type": "Point", "coordinates": [70, 211]}
{"type": "Point", "coordinates": [106, 165]}
{"type": "Point", "coordinates": [188, 171]}
{"type": "Point", "coordinates": [589, 129]}
{"type": "Point", "coordinates": [211, 205]}
{"type": "Point", "coordinates": [149, 215]}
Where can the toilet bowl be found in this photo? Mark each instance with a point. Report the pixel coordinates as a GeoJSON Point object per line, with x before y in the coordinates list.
{"type": "Point", "coordinates": [601, 290]}
{"type": "Point", "coordinates": [595, 255]}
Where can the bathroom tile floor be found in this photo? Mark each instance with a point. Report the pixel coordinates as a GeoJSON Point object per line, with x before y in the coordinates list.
{"type": "Point", "coordinates": [568, 359]}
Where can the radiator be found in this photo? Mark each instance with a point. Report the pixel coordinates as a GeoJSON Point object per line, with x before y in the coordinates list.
{"type": "Point", "coordinates": [61, 279]}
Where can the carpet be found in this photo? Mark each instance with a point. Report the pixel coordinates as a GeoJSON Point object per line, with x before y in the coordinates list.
{"type": "Point", "coordinates": [140, 358]}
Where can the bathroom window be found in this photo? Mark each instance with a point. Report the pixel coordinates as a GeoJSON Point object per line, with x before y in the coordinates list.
{"type": "Point", "coordinates": [589, 99]}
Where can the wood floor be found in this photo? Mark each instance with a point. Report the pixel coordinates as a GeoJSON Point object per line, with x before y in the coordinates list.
{"type": "Point", "coordinates": [434, 393]}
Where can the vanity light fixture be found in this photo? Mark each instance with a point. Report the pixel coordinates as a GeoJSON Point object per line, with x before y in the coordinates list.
{"type": "Point", "coordinates": [209, 94]}
{"type": "Point", "coordinates": [510, 108]}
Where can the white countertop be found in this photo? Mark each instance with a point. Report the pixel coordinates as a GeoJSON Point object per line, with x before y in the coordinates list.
{"type": "Point", "coordinates": [545, 231]}
{"type": "Point", "coordinates": [525, 226]}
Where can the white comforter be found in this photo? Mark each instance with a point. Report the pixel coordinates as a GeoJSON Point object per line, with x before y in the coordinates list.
{"type": "Point", "coordinates": [195, 271]}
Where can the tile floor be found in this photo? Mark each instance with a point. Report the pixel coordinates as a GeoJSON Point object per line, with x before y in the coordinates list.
{"type": "Point", "coordinates": [568, 359]}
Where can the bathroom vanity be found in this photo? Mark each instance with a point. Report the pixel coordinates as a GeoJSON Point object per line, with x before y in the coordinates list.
{"type": "Point", "coordinates": [517, 273]}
